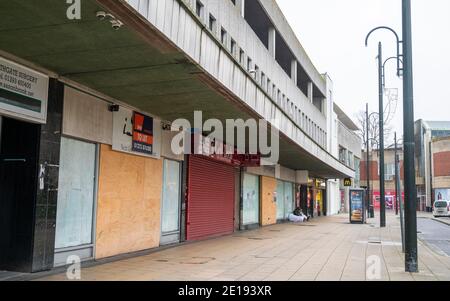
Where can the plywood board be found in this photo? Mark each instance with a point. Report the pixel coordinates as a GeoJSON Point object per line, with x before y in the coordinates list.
{"type": "Point", "coordinates": [129, 200]}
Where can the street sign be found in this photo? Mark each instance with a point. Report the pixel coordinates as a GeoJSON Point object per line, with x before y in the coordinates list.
{"type": "Point", "coordinates": [348, 182]}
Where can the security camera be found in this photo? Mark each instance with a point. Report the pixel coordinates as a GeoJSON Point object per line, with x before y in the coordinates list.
{"type": "Point", "coordinates": [114, 108]}
{"type": "Point", "coordinates": [101, 15]}
{"type": "Point", "coordinates": [116, 24]}
{"type": "Point", "coordinates": [166, 126]}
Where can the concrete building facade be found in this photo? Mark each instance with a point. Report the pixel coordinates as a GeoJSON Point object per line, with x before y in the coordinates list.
{"type": "Point", "coordinates": [347, 147]}
{"type": "Point", "coordinates": [95, 93]}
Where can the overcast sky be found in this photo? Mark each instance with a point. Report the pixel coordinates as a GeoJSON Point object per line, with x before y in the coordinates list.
{"type": "Point", "coordinates": [333, 32]}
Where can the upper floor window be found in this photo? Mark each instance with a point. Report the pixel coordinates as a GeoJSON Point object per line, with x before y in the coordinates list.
{"type": "Point", "coordinates": [350, 158]}
{"type": "Point", "coordinates": [212, 23]}
{"type": "Point", "coordinates": [256, 73]}
{"type": "Point", "coordinates": [241, 57]}
{"type": "Point", "coordinates": [342, 154]}
{"type": "Point", "coordinates": [233, 47]}
{"type": "Point", "coordinates": [389, 170]}
{"type": "Point", "coordinates": [263, 81]}
{"type": "Point", "coordinates": [199, 9]}
{"type": "Point", "coordinates": [223, 36]}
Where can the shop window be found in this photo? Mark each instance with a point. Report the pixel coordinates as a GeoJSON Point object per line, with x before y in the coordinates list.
{"type": "Point", "coordinates": [75, 207]}
{"type": "Point", "coordinates": [250, 200]}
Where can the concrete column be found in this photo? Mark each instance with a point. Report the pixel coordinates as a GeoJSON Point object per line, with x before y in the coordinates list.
{"type": "Point", "coordinates": [346, 199]}
{"type": "Point", "coordinates": [272, 41]}
{"type": "Point", "coordinates": [310, 92]}
{"type": "Point", "coordinates": [428, 171]}
{"type": "Point", "coordinates": [294, 71]}
{"type": "Point", "coordinates": [301, 177]}
{"type": "Point", "coordinates": [241, 6]}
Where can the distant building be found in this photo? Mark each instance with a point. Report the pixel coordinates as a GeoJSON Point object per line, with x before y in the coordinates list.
{"type": "Point", "coordinates": [348, 149]}
{"type": "Point", "coordinates": [374, 179]}
{"type": "Point", "coordinates": [432, 157]}
{"type": "Point", "coordinates": [432, 140]}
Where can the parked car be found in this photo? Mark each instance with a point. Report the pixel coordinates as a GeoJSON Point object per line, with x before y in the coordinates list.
{"type": "Point", "coordinates": [441, 208]}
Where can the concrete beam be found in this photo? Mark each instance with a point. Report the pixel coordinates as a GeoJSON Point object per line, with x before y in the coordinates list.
{"type": "Point", "coordinates": [311, 92]}
{"type": "Point", "coordinates": [294, 65]}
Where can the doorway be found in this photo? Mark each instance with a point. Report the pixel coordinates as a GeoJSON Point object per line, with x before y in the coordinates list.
{"type": "Point", "coordinates": [285, 200]}
{"type": "Point", "coordinates": [250, 202]}
{"type": "Point", "coordinates": [19, 146]}
{"type": "Point", "coordinates": [171, 203]}
{"type": "Point", "coordinates": [76, 201]}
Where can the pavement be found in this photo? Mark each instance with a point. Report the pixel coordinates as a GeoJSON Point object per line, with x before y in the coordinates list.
{"type": "Point", "coordinates": [5, 275]}
{"type": "Point", "coordinates": [325, 249]}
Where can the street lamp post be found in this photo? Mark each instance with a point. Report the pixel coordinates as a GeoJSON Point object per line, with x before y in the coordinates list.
{"type": "Point", "coordinates": [398, 193]}
{"type": "Point", "coordinates": [367, 162]}
{"type": "Point", "coordinates": [411, 255]}
{"type": "Point", "coordinates": [381, 76]}
{"type": "Point", "coordinates": [370, 207]}
{"type": "Point", "coordinates": [381, 133]}
{"type": "Point", "coordinates": [381, 138]}
{"type": "Point", "coordinates": [411, 252]}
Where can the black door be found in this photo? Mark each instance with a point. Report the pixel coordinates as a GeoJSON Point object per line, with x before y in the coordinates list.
{"type": "Point", "coordinates": [304, 199]}
{"type": "Point", "coordinates": [18, 181]}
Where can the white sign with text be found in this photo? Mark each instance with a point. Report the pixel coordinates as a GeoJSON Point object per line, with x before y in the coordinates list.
{"type": "Point", "coordinates": [23, 92]}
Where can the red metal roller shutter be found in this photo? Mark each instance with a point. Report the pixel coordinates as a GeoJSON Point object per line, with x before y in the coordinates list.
{"type": "Point", "coordinates": [210, 208]}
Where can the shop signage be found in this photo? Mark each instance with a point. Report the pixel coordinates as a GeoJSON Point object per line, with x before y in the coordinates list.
{"type": "Point", "coordinates": [348, 182]}
{"type": "Point", "coordinates": [319, 183]}
{"type": "Point", "coordinates": [136, 133]}
{"type": "Point", "coordinates": [23, 92]}
{"type": "Point", "coordinates": [248, 160]}
{"type": "Point", "coordinates": [441, 194]}
{"type": "Point", "coordinates": [225, 153]}
{"type": "Point", "coordinates": [142, 134]}
{"type": "Point", "coordinates": [357, 209]}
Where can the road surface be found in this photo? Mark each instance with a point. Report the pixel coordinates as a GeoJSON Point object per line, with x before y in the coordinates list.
{"type": "Point", "coordinates": [435, 234]}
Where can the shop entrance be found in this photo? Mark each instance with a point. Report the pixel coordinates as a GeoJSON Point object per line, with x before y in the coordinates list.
{"type": "Point", "coordinates": [18, 179]}
{"type": "Point", "coordinates": [171, 203]}
{"type": "Point", "coordinates": [285, 200]}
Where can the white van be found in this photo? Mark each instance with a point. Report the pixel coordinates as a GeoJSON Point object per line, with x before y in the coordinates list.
{"type": "Point", "coordinates": [441, 208]}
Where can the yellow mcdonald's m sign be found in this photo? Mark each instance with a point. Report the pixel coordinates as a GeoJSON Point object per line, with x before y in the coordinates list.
{"type": "Point", "coordinates": [348, 182]}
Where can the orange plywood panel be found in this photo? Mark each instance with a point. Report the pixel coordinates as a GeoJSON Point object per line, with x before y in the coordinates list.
{"type": "Point", "coordinates": [268, 206]}
{"type": "Point", "coordinates": [129, 198]}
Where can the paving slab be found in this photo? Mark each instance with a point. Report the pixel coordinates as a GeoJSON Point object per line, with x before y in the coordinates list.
{"type": "Point", "coordinates": [331, 249]}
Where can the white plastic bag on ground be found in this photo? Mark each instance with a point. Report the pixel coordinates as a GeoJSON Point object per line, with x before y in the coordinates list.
{"type": "Point", "coordinates": [296, 219]}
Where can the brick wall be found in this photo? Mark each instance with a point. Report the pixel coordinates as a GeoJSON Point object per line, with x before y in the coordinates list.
{"type": "Point", "coordinates": [373, 165]}
{"type": "Point", "coordinates": [441, 163]}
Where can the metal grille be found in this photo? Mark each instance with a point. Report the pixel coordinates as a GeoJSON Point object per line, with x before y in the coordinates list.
{"type": "Point", "coordinates": [210, 208]}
